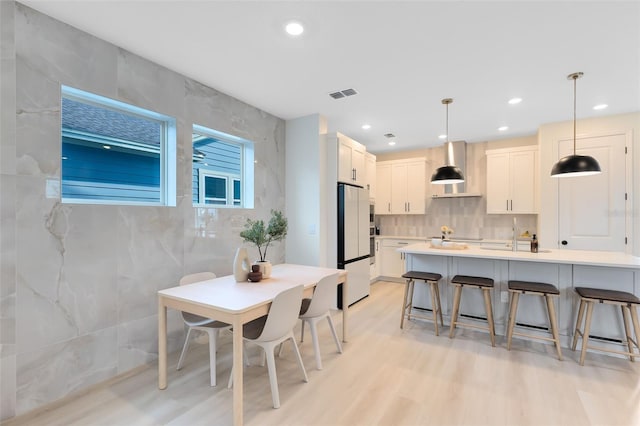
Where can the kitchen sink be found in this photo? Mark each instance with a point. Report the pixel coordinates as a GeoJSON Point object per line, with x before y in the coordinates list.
{"type": "Point", "coordinates": [503, 248]}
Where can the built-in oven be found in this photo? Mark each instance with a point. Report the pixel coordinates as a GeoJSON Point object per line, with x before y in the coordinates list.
{"type": "Point", "coordinates": [372, 234]}
{"type": "Point", "coordinates": [372, 245]}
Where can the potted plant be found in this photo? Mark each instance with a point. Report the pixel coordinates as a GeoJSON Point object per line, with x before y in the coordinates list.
{"type": "Point", "coordinates": [262, 236]}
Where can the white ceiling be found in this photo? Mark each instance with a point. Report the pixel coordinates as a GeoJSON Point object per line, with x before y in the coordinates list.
{"type": "Point", "coordinates": [401, 57]}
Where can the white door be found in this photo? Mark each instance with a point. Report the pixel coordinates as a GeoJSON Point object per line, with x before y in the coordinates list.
{"type": "Point", "coordinates": [383, 188]}
{"type": "Point", "coordinates": [592, 208]}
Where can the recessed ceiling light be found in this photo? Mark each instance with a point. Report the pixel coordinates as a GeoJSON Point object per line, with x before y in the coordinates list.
{"type": "Point", "coordinates": [294, 28]}
{"type": "Point", "coordinates": [366, 126]}
{"type": "Point", "coordinates": [600, 106]}
{"type": "Point", "coordinates": [503, 128]}
{"type": "Point", "coordinates": [106, 146]}
{"type": "Point", "coordinates": [442, 137]}
{"type": "Point", "coordinates": [392, 143]}
{"type": "Point", "coordinates": [514, 101]}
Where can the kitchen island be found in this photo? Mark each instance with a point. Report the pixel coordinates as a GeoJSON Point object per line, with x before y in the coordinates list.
{"type": "Point", "coordinates": [565, 269]}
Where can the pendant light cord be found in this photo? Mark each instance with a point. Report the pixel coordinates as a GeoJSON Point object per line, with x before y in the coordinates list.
{"type": "Point", "coordinates": [575, 78]}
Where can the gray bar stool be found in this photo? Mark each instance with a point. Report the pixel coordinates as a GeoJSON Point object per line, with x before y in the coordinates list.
{"type": "Point", "coordinates": [432, 280]}
{"type": "Point", "coordinates": [481, 283]}
{"type": "Point", "coordinates": [627, 302]}
{"type": "Point", "coordinates": [548, 291]}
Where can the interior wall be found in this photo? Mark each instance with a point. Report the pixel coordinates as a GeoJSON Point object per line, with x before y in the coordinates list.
{"type": "Point", "coordinates": [550, 134]}
{"type": "Point", "coordinates": [79, 282]}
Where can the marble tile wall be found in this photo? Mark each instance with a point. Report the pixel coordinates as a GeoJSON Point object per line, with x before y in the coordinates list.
{"type": "Point", "coordinates": [79, 282]}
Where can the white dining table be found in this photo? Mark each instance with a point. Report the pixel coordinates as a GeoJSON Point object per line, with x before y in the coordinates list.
{"type": "Point", "coordinates": [237, 303]}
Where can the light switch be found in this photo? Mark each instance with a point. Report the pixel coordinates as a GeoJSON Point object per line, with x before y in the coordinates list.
{"type": "Point", "coordinates": [504, 296]}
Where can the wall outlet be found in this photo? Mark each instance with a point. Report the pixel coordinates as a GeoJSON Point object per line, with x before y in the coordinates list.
{"type": "Point", "coordinates": [504, 296]}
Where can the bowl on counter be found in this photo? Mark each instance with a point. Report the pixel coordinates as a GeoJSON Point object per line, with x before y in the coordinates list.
{"type": "Point", "coordinates": [436, 242]}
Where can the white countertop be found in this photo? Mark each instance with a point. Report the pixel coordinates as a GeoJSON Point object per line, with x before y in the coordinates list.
{"type": "Point", "coordinates": [574, 257]}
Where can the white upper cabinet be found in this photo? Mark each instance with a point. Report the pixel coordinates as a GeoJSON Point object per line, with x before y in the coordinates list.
{"type": "Point", "coordinates": [351, 161]}
{"type": "Point", "coordinates": [401, 186]}
{"type": "Point", "coordinates": [370, 168]}
{"type": "Point", "coordinates": [512, 180]}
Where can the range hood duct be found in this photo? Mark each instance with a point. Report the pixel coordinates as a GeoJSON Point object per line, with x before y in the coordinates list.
{"type": "Point", "coordinates": [455, 153]}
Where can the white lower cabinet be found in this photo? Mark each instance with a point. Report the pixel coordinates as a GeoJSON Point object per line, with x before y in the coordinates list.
{"type": "Point", "coordinates": [392, 263]}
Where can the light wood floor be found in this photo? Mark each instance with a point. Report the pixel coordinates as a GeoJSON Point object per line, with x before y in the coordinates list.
{"type": "Point", "coordinates": [386, 376]}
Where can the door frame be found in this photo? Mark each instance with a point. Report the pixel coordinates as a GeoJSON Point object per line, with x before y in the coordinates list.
{"type": "Point", "coordinates": [628, 206]}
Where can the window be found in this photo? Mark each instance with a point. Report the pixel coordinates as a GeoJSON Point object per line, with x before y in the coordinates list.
{"type": "Point", "coordinates": [222, 169]}
{"type": "Point", "coordinates": [115, 153]}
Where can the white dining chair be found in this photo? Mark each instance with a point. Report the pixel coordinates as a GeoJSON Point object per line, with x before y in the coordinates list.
{"type": "Point", "coordinates": [197, 322]}
{"type": "Point", "coordinates": [275, 328]}
{"type": "Point", "coordinates": [317, 308]}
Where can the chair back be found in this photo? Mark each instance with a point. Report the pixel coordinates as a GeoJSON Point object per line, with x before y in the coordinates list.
{"type": "Point", "coordinates": [324, 296]}
{"type": "Point", "coordinates": [197, 277]}
{"type": "Point", "coordinates": [283, 314]}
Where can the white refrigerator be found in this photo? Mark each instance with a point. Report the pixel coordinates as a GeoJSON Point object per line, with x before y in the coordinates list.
{"type": "Point", "coordinates": [353, 240]}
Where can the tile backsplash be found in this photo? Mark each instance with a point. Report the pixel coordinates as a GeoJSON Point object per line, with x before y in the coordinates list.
{"type": "Point", "coordinates": [467, 216]}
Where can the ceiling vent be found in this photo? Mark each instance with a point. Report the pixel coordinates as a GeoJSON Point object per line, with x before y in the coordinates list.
{"type": "Point", "coordinates": [343, 93]}
{"type": "Point", "coordinates": [389, 135]}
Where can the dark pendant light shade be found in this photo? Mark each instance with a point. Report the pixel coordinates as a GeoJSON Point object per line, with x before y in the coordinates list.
{"type": "Point", "coordinates": [448, 174]}
{"type": "Point", "coordinates": [575, 165]}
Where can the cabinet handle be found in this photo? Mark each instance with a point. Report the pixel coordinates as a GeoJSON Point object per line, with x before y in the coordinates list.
{"type": "Point", "coordinates": [402, 243]}
{"type": "Point", "coordinates": [389, 208]}
{"type": "Point", "coordinates": [408, 207]}
{"type": "Point", "coordinates": [511, 205]}
{"type": "Point", "coordinates": [507, 208]}
{"type": "Point", "coordinates": [377, 245]}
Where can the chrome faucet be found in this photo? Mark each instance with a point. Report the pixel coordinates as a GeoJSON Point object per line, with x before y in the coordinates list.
{"type": "Point", "coordinates": [514, 242]}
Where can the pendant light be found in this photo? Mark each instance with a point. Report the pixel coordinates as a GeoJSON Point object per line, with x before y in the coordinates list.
{"type": "Point", "coordinates": [448, 174]}
{"type": "Point", "coordinates": [575, 165]}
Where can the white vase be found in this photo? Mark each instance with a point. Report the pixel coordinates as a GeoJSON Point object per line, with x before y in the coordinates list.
{"type": "Point", "coordinates": [265, 268]}
{"type": "Point", "coordinates": [241, 267]}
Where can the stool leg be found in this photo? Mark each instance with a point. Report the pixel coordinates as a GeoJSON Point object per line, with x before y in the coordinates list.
{"type": "Point", "coordinates": [627, 330]}
{"type": "Point", "coordinates": [456, 306]}
{"type": "Point", "coordinates": [487, 305]}
{"type": "Point", "coordinates": [578, 325]}
{"type": "Point", "coordinates": [404, 303]}
{"type": "Point", "coordinates": [410, 301]}
{"type": "Point", "coordinates": [585, 336]}
{"type": "Point", "coordinates": [434, 305]}
{"type": "Point", "coordinates": [512, 317]}
{"type": "Point", "coordinates": [554, 324]}
{"type": "Point", "coordinates": [439, 304]}
{"type": "Point", "coordinates": [636, 326]}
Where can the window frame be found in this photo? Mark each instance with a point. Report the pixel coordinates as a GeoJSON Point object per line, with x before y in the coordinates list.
{"type": "Point", "coordinates": [245, 177]}
{"type": "Point", "coordinates": [166, 150]}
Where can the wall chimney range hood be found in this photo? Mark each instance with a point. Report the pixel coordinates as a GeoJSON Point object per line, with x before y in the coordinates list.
{"type": "Point", "coordinates": [456, 153]}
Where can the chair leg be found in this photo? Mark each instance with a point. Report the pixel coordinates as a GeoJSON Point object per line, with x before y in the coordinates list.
{"type": "Point", "coordinates": [437, 286]}
{"type": "Point", "coordinates": [434, 305]}
{"type": "Point", "coordinates": [513, 310]}
{"type": "Point", "coordinates": [554, 324]}
{"type": "Point", "coordinates": [184, 349]}
{"type": "Point", "coordinates": [313, 327]}
{"type": "Point", "coordinates": [585, 335]}
{"type": "Point", "coordinates": [627, 330]}
{"type": "Point", "coordinates": [302, 331]}
{"type": "Point", "coordinates": [273, 378]}
{"type": "Point", "coordinates": [333, 331]}
{"type": "Point", "coordinates": [487, 304]}
{"type": "Point", "coordinates": [213, 334]}
{"type": "Point", "coordinates": [299, 358]}
{"type": "Point", "coordinates": [456, 307]}
{"type": "Point", "coordinates": [404, 303]}
{"type": "Point", "coordinates": [636, 325]}
{"type": "Point", "coordinates": [576, 332]}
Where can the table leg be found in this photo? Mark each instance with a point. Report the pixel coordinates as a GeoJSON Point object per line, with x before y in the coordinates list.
{"type": "Point", "coordinates": [237, 372]}
{"type": "Point", "coordinates": [162, 344]}
{"type": "Point", "coordinates": [345, 308]}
